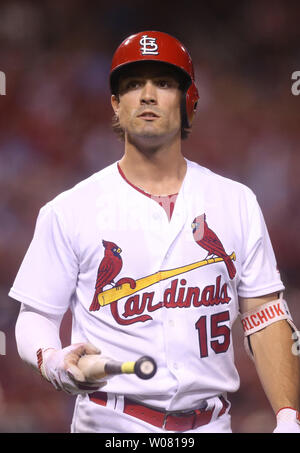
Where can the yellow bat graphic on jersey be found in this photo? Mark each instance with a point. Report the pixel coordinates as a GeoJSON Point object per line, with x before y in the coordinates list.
{"type": "Point", "coordinates": [124, 290]}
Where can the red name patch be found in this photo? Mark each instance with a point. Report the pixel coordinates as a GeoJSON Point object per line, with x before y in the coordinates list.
{"type": "Point", "coordinates": [264, 316]}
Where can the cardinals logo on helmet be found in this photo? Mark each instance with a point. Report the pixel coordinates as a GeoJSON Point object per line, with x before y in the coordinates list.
{"type": "Point", "coordinates": [148, 45]}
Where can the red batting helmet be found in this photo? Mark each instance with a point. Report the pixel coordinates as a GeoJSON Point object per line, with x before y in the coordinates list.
{"type": "Point", "coordinates": [161, 47]}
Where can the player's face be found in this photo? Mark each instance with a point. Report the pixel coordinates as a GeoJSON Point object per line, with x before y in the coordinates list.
{"type": "Point", "coordinates": [149, 103]}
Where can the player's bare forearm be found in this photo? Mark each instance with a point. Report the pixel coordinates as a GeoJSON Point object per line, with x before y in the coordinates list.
{"type": "Point", "coordinates": [277, 367]}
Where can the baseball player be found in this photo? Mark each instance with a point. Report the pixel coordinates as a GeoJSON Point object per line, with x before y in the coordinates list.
{"type": "Point", "coordinates": [156, 255]}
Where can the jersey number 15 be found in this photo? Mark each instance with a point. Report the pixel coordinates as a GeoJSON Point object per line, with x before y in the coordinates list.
{"type": "Point", "coordinates": [220, 333]}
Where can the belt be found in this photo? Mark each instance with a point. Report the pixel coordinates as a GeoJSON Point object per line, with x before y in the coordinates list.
{"type": "Point", "coordinates": [170, 421]}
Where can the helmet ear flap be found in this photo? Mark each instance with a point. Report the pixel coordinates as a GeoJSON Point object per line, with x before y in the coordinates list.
{"type": "Point", "coordinates": [189, 105]}
{"type": "Point", "coordinates": [192, 97]}
{"type": "Point", "coordinates": [185, 124]}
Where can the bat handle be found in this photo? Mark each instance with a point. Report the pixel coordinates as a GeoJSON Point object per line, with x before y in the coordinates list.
{"type": "Point", "coordinates": [113, 367]}
{"type": "Point", "coordinates": [97, 367]}
{"type": "Point", "coordinates": [145, 367]}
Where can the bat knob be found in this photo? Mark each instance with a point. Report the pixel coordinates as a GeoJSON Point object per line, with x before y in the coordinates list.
{"type": "Point", "coordinates": [145, 367]}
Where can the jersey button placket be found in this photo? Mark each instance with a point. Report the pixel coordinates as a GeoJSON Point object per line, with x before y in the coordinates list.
{"type": "Point", "coordinates": [170, 327]}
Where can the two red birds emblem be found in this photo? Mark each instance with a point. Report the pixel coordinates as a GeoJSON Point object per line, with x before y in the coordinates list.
{"type": "Point", "coordinates": [112, 263]}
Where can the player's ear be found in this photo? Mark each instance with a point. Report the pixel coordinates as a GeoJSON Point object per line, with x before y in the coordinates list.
{"type": "Point", "coordinates": [115, 103]}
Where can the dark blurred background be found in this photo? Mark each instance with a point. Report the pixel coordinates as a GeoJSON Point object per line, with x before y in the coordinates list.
{"type": "Point", "coordinates": [55, 131]}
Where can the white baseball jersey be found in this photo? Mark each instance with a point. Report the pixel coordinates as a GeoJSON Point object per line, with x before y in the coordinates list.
{"type": "Point", "coordinates": [138, 284]}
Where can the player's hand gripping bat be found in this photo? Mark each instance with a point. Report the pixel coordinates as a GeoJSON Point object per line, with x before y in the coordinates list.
{"type": "Point", "coordinates": [96, 366]}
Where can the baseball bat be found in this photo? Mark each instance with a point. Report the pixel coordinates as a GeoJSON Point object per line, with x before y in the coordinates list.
{"type": "Point", "coordinates": [95, 366]}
